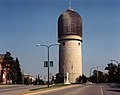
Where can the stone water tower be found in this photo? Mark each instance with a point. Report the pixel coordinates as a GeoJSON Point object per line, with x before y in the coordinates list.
{"type": "Point", "coordinates": [70, 39]}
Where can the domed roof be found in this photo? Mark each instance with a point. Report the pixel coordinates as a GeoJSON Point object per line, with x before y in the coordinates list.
{"type": "Point", "coordinates": [69, 23]}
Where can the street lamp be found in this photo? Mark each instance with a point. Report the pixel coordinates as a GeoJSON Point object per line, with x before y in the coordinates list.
{"type": "Point", "coordinates": [91, 70]}
{"type": "Point", "coordinates": [48, 47]}
{"type": "Point", "coordinates": [115, 61]}
{"type": "Point", "coordinates": [97, 72]}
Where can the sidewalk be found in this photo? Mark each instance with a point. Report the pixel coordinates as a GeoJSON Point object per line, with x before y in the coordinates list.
{"type": "Point", "coordinates": [10, 85]}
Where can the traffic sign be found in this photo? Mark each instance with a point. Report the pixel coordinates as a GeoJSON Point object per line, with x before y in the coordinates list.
{"type": "Point", "coordinates": [46, 63]}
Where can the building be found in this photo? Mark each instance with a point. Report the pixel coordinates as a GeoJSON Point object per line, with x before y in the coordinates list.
{"type": "Point", "coordinates": [3, 71]}
{"type": "Point", "coordinates": [70, 39]}
{"type": "Point", "coordinates": [6, 68]}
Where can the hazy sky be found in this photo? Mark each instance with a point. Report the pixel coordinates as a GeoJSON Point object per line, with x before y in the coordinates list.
{"type": "Point", "coordinates": [25, 23]}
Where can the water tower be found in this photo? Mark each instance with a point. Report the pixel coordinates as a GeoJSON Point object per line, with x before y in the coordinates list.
{"type": "Point", "coordinates": [70, 49]}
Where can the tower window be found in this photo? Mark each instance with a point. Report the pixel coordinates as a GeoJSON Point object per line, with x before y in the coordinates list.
{"type": "Point", "coordinates": [63, 43]}
{"type": "Point", "coordinates": [79, 44]}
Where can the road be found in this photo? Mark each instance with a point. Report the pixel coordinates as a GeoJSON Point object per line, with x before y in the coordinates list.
{"type": "Point", "coordinates": [83, 89]}
{"type": "Point", "coordinates": [94, 89]}
{"type": "Point", "coordinates": [17, 89]}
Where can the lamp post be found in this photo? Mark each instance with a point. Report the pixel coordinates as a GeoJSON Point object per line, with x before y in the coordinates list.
{"type": "Point", "coordinates": [91, 70]}
{"type": "Point", "coordinates": [97, 75]}
{"type": "Point", "coordinates": [48, 47]}
{"type": "Point", "coordinates": [23, 76]}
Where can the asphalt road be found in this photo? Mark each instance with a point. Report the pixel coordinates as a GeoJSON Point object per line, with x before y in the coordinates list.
{"type": "Point", "coordinates": [85, 89]}
{"type": "Point", "coordinates": [94, 89]}
{"type": "Point", "coordinates": [17, 89]}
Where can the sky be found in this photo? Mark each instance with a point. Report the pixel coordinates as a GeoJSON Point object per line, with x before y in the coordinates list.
{"type": "Point", "coordinates": [25, 23]}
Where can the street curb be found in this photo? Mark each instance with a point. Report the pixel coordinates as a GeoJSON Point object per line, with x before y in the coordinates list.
{"type": "Point", "coordinates": [9, 85]}
{"type": "Point", "coordinates": [49, 90]}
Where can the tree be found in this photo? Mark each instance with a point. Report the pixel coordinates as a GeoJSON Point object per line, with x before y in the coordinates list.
{"type": "Point", "coordinates": [18, 73]}
{"type": "Point", "coordinates": [8, 64]}
{"type": "Point", "coordinates": [13, 68]}
{"type": "Point", "coordinates": [38, 81]}
{"type": "Point", "coordinates": [98, 76]}
{"type": "Point", "coordinates": [81, 79]}
{"type": "Point", "coordinates": [8, 61]}
{"type": "Point", "coordinates": [113, 73]}
{"type": "Point", "coordinates": [84, 79]}
{"type": "Point", "coordinates": [59, 78]}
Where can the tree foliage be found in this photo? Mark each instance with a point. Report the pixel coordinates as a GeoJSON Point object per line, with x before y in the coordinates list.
{"type": "Point", "coordinates": [59, 78]}
{"type": "Point", "coordinates": [98, 77]}
{"type": "Point", "coordinates": [81, 79]}
{"type": "Point", "coordinates": [38, 81]}
{"type": "Point", "coordinates": [18, 71]}
{"type": "Point", "coordinates": [13, 68]}
{"type": "Point", "coordinates": [113, 72]}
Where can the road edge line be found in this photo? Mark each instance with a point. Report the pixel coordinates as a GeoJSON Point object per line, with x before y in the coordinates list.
{"type": "Point", "coordinates": [49, 90]}
{"type": "Point", "coordinates": [101, 90]}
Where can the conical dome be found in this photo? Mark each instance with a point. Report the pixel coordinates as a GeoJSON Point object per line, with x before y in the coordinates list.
{"type": "Point", "coordinates": [69, 23]}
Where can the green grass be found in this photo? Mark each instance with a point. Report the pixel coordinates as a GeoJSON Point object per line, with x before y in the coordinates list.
{"type": "Point", "coordinates": [53, 86]}
{"type": "Point", "coordinates": [60, 84]}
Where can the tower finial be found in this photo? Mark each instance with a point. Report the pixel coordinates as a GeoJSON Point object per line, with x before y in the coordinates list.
{"type": "Point", "coordinates": [69, 4]}
{"type": "Point", "coordinates": [69, 7]}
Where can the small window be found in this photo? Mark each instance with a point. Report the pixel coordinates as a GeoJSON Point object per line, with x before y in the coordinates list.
{"type": "Point", "coordinates": [63, 43]}
{"type": "Point", "coordinates": [79, 44]}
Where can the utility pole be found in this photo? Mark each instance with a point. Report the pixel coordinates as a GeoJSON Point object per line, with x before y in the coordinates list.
{"type": "Point", "coordinates": [23, 76]}
{"type": "Point", "coordinates": [90, 72]}
{"type": "Point", "coordinates": [97, 74]}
